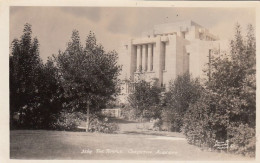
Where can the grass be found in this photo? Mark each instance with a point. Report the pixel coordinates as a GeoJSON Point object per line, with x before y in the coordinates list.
{"type": "Point", "coordinates": [129, 144]}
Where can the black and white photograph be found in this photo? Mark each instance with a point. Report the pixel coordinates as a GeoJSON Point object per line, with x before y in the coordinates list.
{"type": "Point", "coordinates": [137, 82]}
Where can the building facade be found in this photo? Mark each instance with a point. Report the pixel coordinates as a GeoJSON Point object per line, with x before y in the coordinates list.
{"type": "Point", "coordinates": [169, 50]}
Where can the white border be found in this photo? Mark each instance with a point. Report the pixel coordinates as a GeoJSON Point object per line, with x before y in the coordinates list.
{"type": "Point", "coordinates": [4, 60]}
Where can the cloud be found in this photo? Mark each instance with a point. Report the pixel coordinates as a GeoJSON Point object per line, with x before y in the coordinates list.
{"type": "Point", "coordinates": [53, 25]}
{"type": "Point", "coordinates": [92, 13]}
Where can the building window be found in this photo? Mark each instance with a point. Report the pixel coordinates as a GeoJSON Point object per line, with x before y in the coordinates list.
{"type": "Point", "coordinates": [163, 56]}
{"type": "Point", "coordinates": [183, 34]}
{"type": "Point", "coordinates": [141, 59]}
{"type": "Point", "coordinates": [152, 59]}
{"type": "Point", "coordinates": [135, 53]}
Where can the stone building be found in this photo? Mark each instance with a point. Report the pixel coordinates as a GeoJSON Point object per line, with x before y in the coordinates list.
{"type": "Point", "coordinates": [169, 50]}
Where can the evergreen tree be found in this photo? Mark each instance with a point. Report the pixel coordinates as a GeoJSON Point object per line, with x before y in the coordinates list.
{"type": "Point", "coordinates": [25, 67]}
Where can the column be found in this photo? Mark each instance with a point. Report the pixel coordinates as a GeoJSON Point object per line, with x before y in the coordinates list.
{"type": "Point", "coordinates": [132, 64]}
{"type": "Point", "coordinates": [150, 59]}
{"type": "Point", "coordinates": [144, 58]}
{"type": "Point", "coordinates": [139, 58]}
{"type": "Point", "coordinates": [158, 60]}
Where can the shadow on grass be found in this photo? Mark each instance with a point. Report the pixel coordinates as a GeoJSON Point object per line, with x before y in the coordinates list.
{"type": "Point", "coordinates": [120, 121]}
{"type": "Point", "coordinates": [147, 133]}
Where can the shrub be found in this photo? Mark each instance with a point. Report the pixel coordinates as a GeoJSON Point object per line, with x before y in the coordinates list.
{"type": "Point", "coordinates": [153, 112]}
{"type": "Point", "coordinates": [68, 121]}
{"type": "Point", "coordinates": [226, 108]}
{"type": "Point", "coordinates": [171, 119]}
{"type": "Point", "coordinates": [183, 91]}
{"type": "Point", "coordinates": [157, 124]}
{"type": "Point", "coordinates": [242, 139]}
{"type": "Point", "coordinates": [129, 113]}
{"type": "Point", "coordinates": [145, 98]}
{"type": "Point", "coordinates": [205, 121]}
{"type": "Point", "coordinates": [103, 125]}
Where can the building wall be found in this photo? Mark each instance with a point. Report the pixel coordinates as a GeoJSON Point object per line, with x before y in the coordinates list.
{"type": "Point", "coordinates": [170, 60]}
{"type": "Point", "coordinates": [176, 48]}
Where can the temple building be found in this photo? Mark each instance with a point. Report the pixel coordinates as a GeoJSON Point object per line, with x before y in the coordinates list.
{"type": "Point", "coordinates": [169, 50]}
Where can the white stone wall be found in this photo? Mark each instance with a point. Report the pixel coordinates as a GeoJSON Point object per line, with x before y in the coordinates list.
{"type": "Point", "coordinates": [186, 47]}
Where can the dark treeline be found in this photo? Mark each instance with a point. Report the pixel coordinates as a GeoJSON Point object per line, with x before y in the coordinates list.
{"type": "Point", "coordinates": [57, 94]}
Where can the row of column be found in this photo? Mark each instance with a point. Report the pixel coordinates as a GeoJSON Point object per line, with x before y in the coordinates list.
{"type": "Point", "coordinates": [144, 57]}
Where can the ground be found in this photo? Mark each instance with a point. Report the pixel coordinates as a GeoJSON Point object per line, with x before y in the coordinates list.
{"type": "Point", "coordinates": [132, 142]}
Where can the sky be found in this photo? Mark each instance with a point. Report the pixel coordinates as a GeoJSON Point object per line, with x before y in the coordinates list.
{"type": "Point", "coordinates": [53, 25]}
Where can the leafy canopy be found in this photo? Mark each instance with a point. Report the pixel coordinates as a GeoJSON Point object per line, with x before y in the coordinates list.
{"type": "Point", "coordinates": [88, 74]}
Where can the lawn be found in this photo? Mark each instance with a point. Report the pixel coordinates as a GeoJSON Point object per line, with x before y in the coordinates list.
{"type": "Point", "coordinates": [129, 145]}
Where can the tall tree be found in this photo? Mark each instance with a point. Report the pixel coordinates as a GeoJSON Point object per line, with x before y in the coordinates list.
{"type": "Point", "coordinates": [25, 66]}
{"type": "Point", "coordinates": [88, 74]}
{"type": "Point", "coordinates": [234, 78]}
{"type": "Point", "coordinates": [226, 109]}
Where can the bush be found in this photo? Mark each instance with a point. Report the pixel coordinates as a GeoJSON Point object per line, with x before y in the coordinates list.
{"type": "Point", "coordinates": [172, 120]}
{"type": "Point", "coordinates": [209, 120]}
{"type": "Point", "coordinates": [68, 121]}
{"type": "Point", "coordinates": [145, 98]}
{"type": "Point", "coordinates": [103, 125]}
{"type": "Point", "coordinates": [157, 124]}
{"type": "Point", "coordinates": [129, 113]}
{"type": "Point", "coordinates": [204, 122]}
{"type": "Point", "coordinates": [242, 140]}
{"type": "Point", "coordinates": [226, 108]}
{"type": "Point", "coordinates": [183, 91]}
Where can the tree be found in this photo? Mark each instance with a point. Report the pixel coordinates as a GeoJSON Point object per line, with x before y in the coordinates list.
{"type": "Point", "coordinates": [145, 99]}
{"type": "Point", "coordinates": [25, 67]}
{"type": "Point", "coordinates": [183, 91]}
{"type": "Point", "coordinates": [234, 78]}
{"type": "Point", "coordinates": [88, 75]}
{"type": "Point", "coordinates": [227, 108]}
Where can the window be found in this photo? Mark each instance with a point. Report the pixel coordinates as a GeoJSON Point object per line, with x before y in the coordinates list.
{"type": "Point", "coordinates": [152, 59]}
{"type": "Point", "coordinates": [188, 62]}
{"type": "Point", "coordinates": [163, 56]}
{"type": "Point", "coordinates": [183, 34]}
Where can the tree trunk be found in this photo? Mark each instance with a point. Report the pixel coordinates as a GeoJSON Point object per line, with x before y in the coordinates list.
{"type": "Point", "coordinates": [87, 123]}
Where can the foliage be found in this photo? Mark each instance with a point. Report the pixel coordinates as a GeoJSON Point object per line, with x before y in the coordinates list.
{"type": "Point", "coordinates": [145, 98]}
{"type": "Point", "coordinates": [242, 138]}
{"type": "Point", "coordinates": [234, 78]}
{"type": "Point", "coordinates": [32, 84]}
{"type": "Point", "coordinates": [68, 121]}
{"type": "Point", "coordinates": [128, 113]}
{"type": "Point", "coordinates": [70, 80]}
{"type": "Point", "coordinates": [226, 109]}
{"type": "Point", "coordinates": [87, 73]}
{"type": "Point", "coordinates": [203, 122]}
{"type": "Point", "coordinates": [100, 124]}
{"type": "Point", "coordinates": [183, 91]}
{"type": "Point", "coordinates": [24, 69]}
{"type": "Point", "coordinates": [157, 124]}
